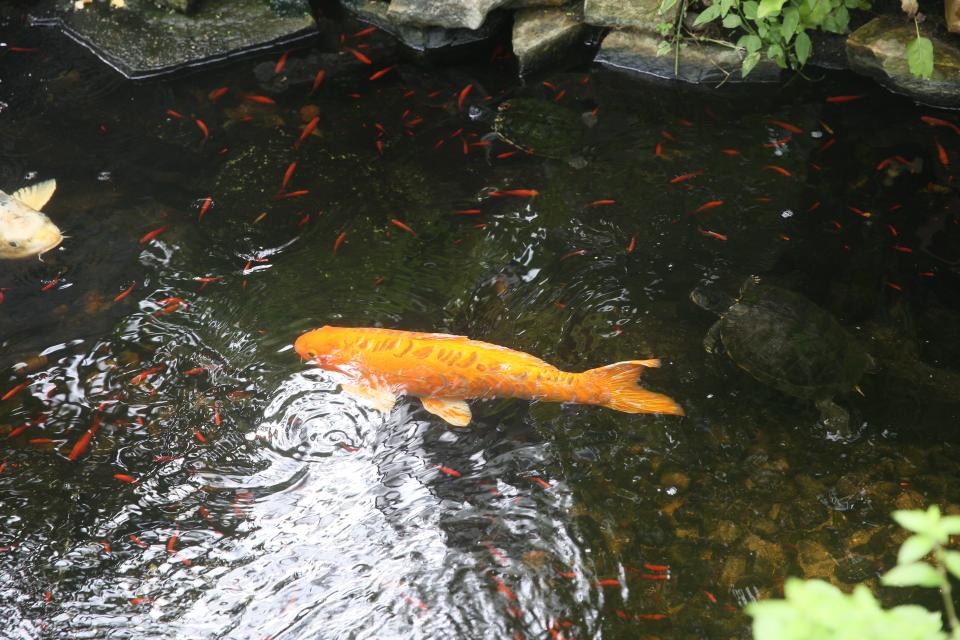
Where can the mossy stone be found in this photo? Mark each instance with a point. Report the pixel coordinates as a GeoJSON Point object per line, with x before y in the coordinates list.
{"type": "Point", "coordinates": [878, 49]}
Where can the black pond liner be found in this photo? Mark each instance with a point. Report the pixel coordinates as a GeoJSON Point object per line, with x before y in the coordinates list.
{"type": "Point", "coordinates": [154, 42]}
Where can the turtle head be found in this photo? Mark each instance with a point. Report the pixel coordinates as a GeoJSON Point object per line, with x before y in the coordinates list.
{"type": "Point", "coordinates": [711, 299]}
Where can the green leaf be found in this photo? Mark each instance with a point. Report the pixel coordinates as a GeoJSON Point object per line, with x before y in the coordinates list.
{"type": "Point", "coordinates": [750, 42]}
{"type": "Point", "coordinates": [802, 46]}
{"type": "Point", "coordinates": [666, 5]}
{"type": "Point", "coordinates": [951, 560]}
{"type": "Point", "coordinates": [816, 11]}
{"type": "Point", "coordinates": [725, 6]}
{"type": "Point", "coordinates": [916, 520]}
{"type": "Point", "coordinates": [842, 19]}
{"type": "Point", "coordinates": [749, 63]}
{"type": "Point", "coordinates": [732, 21]}
{"type": "Point", "coordinates": [816, 610]}
{"type": "Point", "coordinates": [749, 9]}
{"type": "Point", "coordinates": [774, 51]}
{"type": "Point", "coordinates": [917, 574]}
{"type": "Point", "coordinates": [920, 57]}
{"type": "Point", "coordinates": [769, 8]}
{"type": "Point", "coordinates": [664, 47]}
{"type": "Point", "coordinates": [914, 548]}
{"type": "Point", "coordinates": [950, 525]}
{"type": "Point", "coordinates": [708, 14]}
{"type": "Point", "coordinates": [791, 20]}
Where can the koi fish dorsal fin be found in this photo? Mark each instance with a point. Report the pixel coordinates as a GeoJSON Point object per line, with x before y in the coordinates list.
{"type": "Point", "coordinates": [456, 412]}
{"type": "Point", "coordinates": [379, 399]}
{"type": "Point", "coordinates": [445, 336]}
{"type": "Point", "coordinates": [619, 380]}
{"type": "Point", "coordinates": [36, 195]}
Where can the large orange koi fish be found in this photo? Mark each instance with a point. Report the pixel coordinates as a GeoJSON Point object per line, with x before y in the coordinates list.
{"type": "Point", "coordinates": [445, 370]}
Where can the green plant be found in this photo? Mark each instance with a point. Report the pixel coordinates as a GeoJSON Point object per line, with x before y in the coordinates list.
{"type": "Point", "coordinates": [776, 29]}
{"type": "Point", "coordinates": [816, 610]}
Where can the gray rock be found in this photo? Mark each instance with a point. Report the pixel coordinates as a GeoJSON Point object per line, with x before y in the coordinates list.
{"type": "Point", "coordinates": [542, 34]}
{"type": "Point", "coordinates": [451, 14]}
{"type": "Point", "coordinates": [420, 38]}
{"type": "Point", "coordinates": [642, 14]}
{"type": "Point", "coordinates": [143, 40]}
{"type": "Point", "coordinates": [636, 51]}
{"type": "Point", "coordinates": [877, 50]}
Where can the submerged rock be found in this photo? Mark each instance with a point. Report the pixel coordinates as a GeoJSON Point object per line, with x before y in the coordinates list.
{"type": "Point", "coordinates": [636, 51]}
{"type": "Point", "coordinates": [877, 49]}
{"type": "Point", "coordinates": [815, 560]}
{"type": "Point", "coordinates": [420, 37]}
{"type": "Point", "coordinates": [541, 35]}
{"type": "Point", "coordinates": [142, 40]}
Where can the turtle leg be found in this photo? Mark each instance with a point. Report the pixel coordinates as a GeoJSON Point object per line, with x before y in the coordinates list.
{"type": "Point", "coordinates": [711, 341]}
{"type": "Point", "coordinates": [833, 416]}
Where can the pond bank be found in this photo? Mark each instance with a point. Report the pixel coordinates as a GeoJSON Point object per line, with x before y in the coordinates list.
{"type": "Point", "coordinates": [140, 40]}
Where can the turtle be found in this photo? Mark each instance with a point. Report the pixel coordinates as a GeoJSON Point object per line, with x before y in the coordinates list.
{"type": "Point", "coordinates": [787, 342]}
{"type": "Point", "coordinates": [543, 128]}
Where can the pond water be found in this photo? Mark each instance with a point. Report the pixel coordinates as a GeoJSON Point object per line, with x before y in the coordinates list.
{"type": "Point", "coordinates": [230, 491]}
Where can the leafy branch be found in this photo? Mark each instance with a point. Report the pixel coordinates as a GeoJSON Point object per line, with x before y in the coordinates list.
{"type": "Point", "coordinates": [817, 610]}
{"type": "Point", "coordinates": [931, 533]}
{"type": "Point", "coordinates": [775, 29]}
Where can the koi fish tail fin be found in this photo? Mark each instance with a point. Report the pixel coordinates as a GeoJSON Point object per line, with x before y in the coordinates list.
{"type": "Point", "coordinates": [619, 382]}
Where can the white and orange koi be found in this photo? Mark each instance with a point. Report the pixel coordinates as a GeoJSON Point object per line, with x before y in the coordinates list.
{"type": "Point", "coordinates": [446, 370]}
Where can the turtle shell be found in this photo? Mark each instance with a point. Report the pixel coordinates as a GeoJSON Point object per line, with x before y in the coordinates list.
{"type": "Point", "coordinates": [540, 127]}
{"type": "Point", "coordinates": [789, 343]}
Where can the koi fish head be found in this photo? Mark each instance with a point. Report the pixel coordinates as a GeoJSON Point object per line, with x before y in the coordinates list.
{"type": "Point", "coordinates": [24, 231]}
{"type": "Point", "coordinates": [320, 346]}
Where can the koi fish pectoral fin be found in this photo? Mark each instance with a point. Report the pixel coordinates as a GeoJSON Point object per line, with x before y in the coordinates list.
{"type": "Point", "coordinates": [379, 399]}
{"type": "Point", "coordinates": [456, 412]}
{"type": "Point", "coordinates": [36, 195]}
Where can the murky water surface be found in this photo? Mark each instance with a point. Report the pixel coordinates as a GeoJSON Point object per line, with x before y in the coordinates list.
{"type": "Point", "coordinates": [229, 491]}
